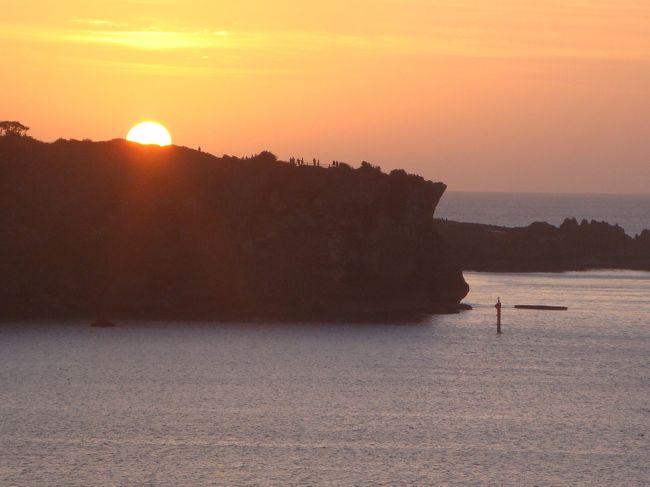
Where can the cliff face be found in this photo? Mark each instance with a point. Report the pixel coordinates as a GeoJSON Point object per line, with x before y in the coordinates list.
{"type": "Point", "coordinates": [117, 229]}
{"type": "Point", "coordinates": [541, 247]}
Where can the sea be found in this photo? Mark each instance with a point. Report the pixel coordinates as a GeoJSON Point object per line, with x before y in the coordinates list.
{"type": "Point", "coordinates": [559, 398]}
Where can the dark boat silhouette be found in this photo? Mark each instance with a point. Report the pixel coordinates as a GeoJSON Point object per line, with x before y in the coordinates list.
{"type": "Point", "coordinates": [541, 307]}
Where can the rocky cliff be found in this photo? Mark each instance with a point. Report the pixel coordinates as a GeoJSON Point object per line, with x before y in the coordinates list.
{"type": "Point", "coordinates": [115, 229]}
{"type": "Point", "coordinates": [541, 247]}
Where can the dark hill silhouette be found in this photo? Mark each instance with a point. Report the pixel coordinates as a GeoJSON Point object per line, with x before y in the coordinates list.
{"type": "Point", "coordinates": [120, 230]}
{"type": "Point", "coordinates": [541, 247]}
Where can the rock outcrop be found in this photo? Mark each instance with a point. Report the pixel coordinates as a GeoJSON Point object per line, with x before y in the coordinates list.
{"type": "Point", "coordinates": [127, 231]}
{"type": "Point", "coordinates": [541, 247]}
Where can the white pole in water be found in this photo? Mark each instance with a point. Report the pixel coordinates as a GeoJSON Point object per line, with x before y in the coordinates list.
{"type": "Point", "coordinates": [498, 307]}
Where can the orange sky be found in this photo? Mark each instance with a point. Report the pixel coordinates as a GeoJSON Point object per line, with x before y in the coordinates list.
{"type": "Point", "coordinates": [484, 95]}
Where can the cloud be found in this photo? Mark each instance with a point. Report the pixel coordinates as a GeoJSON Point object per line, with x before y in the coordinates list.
{"type": "Point", "coordinates": [150, 39]}
{"type": "Point", "coordinates": [97, 22]}
{"type": "Point", "coordinates": [437, 40]}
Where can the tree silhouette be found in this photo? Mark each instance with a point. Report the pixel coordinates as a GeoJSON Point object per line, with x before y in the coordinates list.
{"type": "Point", "coordinates": [12, 128]}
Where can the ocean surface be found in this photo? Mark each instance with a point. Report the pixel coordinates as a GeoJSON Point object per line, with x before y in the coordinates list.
{"type": "Point", "coordinates": [632, 212]}
{"type": "Point", "coordinates": [560, 398]}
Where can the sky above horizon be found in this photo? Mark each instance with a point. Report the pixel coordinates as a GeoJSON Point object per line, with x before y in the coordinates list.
{"type": "Point", "coordinates": [549, 96]}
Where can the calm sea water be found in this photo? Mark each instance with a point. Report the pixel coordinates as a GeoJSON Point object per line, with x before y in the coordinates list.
{"type": "Point", "coordinates": [561, 398]}
{"type": "Point", "coordinates": [632, 212]}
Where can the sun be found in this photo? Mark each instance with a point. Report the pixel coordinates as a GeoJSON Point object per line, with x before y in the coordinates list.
{"type": "Point", "coordinates": [149, 133]}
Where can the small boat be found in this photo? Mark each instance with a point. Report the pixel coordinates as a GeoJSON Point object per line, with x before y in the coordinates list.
{"type": "Point", "coordinates": [541, 306]}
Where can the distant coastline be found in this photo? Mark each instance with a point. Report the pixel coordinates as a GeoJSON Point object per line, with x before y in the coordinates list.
{"type": "Point", "coordinates": [542, 247]}
{"type": "Point", "coordinates": [518, 209]}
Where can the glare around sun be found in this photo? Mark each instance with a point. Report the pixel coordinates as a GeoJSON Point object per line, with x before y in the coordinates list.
{"type": "Point", "coordinates": [149, 133]}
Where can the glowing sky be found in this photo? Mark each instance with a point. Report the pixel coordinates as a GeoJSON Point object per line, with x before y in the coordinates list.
{"type": "Point", "coordinates": [484, 95]}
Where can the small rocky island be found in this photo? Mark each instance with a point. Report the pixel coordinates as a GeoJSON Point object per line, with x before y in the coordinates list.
{"type": "Point", "coordinates": [120, 230]}
{"type": "Point", "coordinates": [541, 247]}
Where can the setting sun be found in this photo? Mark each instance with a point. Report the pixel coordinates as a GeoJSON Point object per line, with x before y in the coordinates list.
{"type": "Point", "coordinates": [149, 133]}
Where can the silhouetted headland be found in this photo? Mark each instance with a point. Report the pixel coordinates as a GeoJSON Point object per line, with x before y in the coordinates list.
{"type": "Point", "coordinates": [120, 230]}
{"type": "Point", "coordinates": [541, 247]}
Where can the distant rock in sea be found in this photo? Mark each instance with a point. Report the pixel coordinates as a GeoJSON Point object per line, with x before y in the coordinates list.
{"type": "Point", "coordinates": [131, 231]}
{"type": "Point", "coordinates": [541, 247]}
